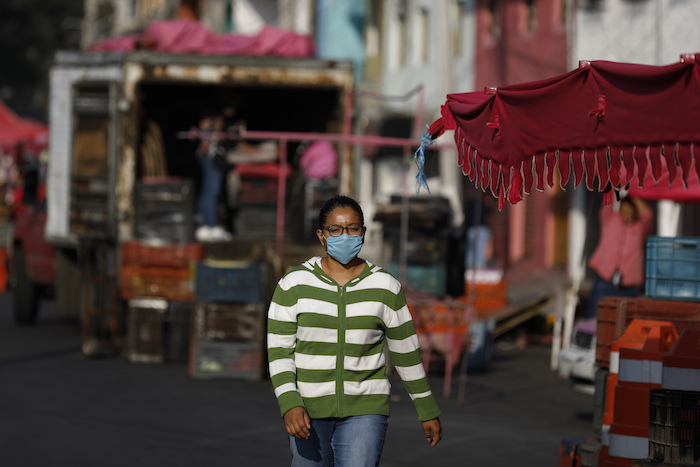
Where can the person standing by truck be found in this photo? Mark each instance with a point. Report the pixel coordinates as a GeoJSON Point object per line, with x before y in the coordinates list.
{"type": "Point", "coordinates": [328, 323]}
{"type": "Point", "coordinates": [212, 178]}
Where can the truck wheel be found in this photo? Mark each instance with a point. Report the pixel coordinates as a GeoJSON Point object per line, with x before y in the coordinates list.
{"type": "Point", "coordinates": [26, 293]}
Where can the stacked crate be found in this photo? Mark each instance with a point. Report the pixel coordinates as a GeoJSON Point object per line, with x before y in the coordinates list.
{"type": "Point", "coordinates": [256, 201]}
{"type": "Point", "coordinates": [164, 210]}
{"type": "Point", "coordinates": [228, 327]}
{"type": "Point", "coordinates": [426, 259]}
{"type": "Point", "coordinates": [157, 282]}
{"type": "Point", "coordinates": [673, 268]}
{"type": "Point", "coordinates": [426, 250]}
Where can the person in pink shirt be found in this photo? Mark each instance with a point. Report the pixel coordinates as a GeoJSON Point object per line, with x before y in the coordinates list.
{"type": "Point", "coordinates": [618, 260]}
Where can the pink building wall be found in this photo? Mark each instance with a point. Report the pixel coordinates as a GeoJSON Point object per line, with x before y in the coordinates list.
{"type": "Point", "coordinates": [520, 41]}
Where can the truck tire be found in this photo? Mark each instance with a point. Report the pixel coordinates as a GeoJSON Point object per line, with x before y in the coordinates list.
{"type": "Point", "coordinates": [26, 293]}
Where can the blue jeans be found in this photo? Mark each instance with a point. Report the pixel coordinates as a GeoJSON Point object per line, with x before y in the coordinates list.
{"type": "Point", "coordinates": [209, 190]}
{"type": "Point", "coordinates": [341, 442]}
{"type": "Point", "coordinates": [602, 288]}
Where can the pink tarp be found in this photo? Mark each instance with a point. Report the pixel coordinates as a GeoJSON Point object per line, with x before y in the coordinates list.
{"type": "Point", "coordinates": [588, 123]}
{"type": "Point", "coordinates": [189, 36]}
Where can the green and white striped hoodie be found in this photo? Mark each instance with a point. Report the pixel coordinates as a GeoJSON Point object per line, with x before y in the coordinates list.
{"type": "Point", "coordinates": [325, 344]}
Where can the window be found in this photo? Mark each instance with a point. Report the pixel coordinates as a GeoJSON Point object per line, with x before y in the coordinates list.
{"type": "Point", "coordinates": [398, 36]}
{"type": "Point", "coordinates": [457, 13]}
{"type": "Point", "coordinates": [373, 44]}
{"type": "Point", "coordinates": [422, 36]}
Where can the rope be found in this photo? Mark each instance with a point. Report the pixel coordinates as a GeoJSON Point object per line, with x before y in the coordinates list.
{"type": "Point", "coordinates": [419, 158]}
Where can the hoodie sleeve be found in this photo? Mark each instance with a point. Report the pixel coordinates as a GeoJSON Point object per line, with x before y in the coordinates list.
{"type": "Point", "coordinates": [281, 344]}
{"type": "Point", "coordinates": [405, 353]}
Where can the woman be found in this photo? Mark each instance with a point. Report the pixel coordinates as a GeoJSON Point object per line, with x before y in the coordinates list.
{"type": "Point", "coordinates": [618, 260]}
{"type": "Point", "coordinates": [328, 323]}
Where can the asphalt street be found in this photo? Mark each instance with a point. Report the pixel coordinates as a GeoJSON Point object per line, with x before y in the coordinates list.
{"type": "Point", "coordinates": [58, 408]}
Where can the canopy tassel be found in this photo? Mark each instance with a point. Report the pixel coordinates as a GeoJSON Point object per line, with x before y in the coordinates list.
{"type": "Point", "coordinates": [419, 158]}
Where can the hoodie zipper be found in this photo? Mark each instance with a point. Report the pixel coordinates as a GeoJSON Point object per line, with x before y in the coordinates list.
{"type": "Point", "coordinates": [340, 363]}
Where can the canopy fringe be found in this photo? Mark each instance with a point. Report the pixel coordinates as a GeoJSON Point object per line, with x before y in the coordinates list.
{"type": "Point", "coordinates": [564, 164]}
{"type": "Point", "coordinates": [611, 168]}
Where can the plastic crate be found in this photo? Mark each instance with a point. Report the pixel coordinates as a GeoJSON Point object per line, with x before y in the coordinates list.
{"type": "Point", "coordinates": [590, 452]}
{"type": "Point", "coordinates": [168, 283]}
{"type": "Point", "coordinates": [144, 331]}
{"type": "Point", "coordinates": [229, 321]}
{"type": "Point", "coordinates": [255, 221]}
{"type": "Point", "coordinates": [162, 196]}
{"type": "Point", "coordinates": [431, 279]}
{"type": "Point", "coordinates": [177, 256]}
{"type": "Point", "coordinates": [487, 297]}
{"type": "Point", "coordinates": [257, 190]}
{"type": "Point", "coordinates": [176, 331]}
{"type": "Point", "coordinates": [226, 360]}
{"type": "Point", "coordinates": [569, 452]}
{"type": "Point", "coordinates": [229, 282]}
{"type": "Point", "coordinates": [673, 268]}
{"type": "Point", "coordinates": [600, 383]}
{"type": "Point", "coordinates": [420, 248]}
{"type": "Point", "coordinates": [615, 314]}
{"type": "Point", "coordinates": [165, 228]}
{"type": "Point", "coordinates": [674, 426]}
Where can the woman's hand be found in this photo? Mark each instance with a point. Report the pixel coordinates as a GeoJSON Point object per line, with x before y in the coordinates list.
{"type": "Point", "coordinates": [298, 423]}
{"type": "Point", "coordinates": [433, 431]}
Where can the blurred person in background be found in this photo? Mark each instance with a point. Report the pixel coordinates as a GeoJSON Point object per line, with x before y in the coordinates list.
{"type": "Point", "coordinates": [618, 260]}
{"type": "Point", "coordinates": [209, 154]}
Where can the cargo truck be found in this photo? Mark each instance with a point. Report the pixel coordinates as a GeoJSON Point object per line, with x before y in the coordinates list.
{"type": "Point", "coordinates": [114, 122]}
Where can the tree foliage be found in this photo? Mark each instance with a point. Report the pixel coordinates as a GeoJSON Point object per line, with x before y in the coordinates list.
{"type": "Point", "coordinates": [30, 33]}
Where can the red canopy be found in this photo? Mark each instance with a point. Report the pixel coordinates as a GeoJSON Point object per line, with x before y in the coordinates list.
{"type": "Point", "coordinates": [15, 130]}
{"type": "Point", "coordinates": [591, 122]}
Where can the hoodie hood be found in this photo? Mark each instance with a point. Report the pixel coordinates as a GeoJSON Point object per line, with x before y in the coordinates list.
{"type": "Point", "coordinates": [314, 265]}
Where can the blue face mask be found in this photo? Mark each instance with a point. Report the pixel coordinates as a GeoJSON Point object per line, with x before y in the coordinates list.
{"type": "Point", "coordinates": [344, 247]}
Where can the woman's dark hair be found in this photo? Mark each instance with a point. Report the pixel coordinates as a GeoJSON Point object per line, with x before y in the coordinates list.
{"type": "Point", "coordinates": [339, 201]}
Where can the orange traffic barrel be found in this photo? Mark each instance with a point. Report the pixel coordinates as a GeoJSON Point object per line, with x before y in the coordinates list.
{"type": "Point", "coordinates": [681, 365]}
{"type": "Point", "coordinates": [640, 370]}
{"type": "Point", "coordinates": [634, 337]}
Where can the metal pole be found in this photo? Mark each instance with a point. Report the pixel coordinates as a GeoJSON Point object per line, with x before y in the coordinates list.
{"type": "Point", "coordinates": [281, 196]}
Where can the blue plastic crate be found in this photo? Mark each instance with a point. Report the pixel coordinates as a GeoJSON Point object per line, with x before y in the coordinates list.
{"type": "Point", "coordinates": [673, 268]}
{"type": "Point", "coordinates": [228, 283]}
{"type": "Point", "coordinates": [431, 278]}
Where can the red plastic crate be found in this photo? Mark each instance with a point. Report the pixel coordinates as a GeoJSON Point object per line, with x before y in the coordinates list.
{"type": "Point", "coordinates": [257, 190]}
{"type": "Point", "coordinates": [615, 314]}
{"type": "Point", "coordinates": [169, 283]}
{"type": "Point", "coordinates": [176, 256]}
{"type": "Point", "coordinates": [487, 296]}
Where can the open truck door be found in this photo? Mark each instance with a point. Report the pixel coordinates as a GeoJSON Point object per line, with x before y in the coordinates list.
{"type": "Point", "coordinates": [81, 214]}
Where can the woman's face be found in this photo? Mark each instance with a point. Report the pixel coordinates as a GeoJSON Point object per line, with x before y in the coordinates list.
{"type": "Point", "coordinates": [343, 216]}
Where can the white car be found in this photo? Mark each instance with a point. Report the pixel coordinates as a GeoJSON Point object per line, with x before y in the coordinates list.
{"type": "Point", "coordinates": [577, 363]}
